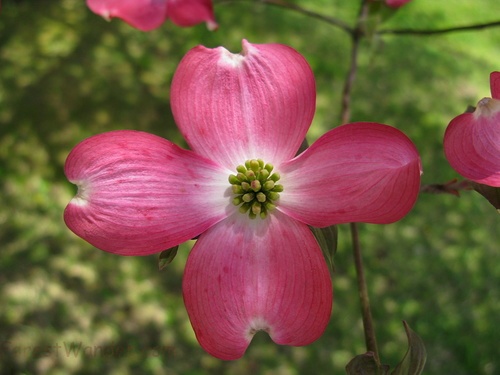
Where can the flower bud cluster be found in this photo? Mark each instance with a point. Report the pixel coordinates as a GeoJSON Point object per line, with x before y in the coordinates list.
{"type": "Point", "coordinates": [255, 188]}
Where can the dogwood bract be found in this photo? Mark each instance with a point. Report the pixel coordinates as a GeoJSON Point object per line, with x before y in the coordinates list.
{"type": "Point", "coordinates": [147, 15]}
{"type": "Point", "coordinates": [472, 140]}
{"type": "Point", "coordinates": [240, 189]}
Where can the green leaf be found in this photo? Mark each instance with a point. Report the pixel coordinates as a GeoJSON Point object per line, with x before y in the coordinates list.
{"type": "Point", "coordinates": [414, 360]}
{"type": "Point", "coordinates": [366, 364]}
{"type": "Point", "coordinates": [166, 257]}
{"type": "Point", "coordinates": [492, 194]}
{"type": "Point", "coordinates": [327, 239]}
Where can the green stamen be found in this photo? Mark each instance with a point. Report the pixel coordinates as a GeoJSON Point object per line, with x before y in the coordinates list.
{"type": "Point", "coordinates": [255, 188]}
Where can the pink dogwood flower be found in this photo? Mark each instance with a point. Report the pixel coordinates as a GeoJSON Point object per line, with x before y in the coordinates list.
{"type": "Point", "coordinates": [147, 15]}
{"type": "Point", "coordinates": [242, 192]}
{"type": "Point", "coordinates": [472, 140]}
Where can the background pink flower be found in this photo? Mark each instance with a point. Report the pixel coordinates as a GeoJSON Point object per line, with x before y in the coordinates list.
{"type": "Point", "coordinates": [396, 3]}
{"type": "Point", "coordinates": [472, 140]}
{"type": "Point", "coordinates": [147, 15]}
{"type": "Point", "coordinates": [256, 265]}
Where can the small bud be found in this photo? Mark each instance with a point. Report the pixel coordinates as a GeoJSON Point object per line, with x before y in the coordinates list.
{"type": "Point", "coordinates": [255, 185]}
{"type": "Point", "coordinates": [273, 195]}
{"type": "Point", "coordinates": [263, 175]}
{"type": "Point", "coordinates": [233, 179]}
{"type": "Point", "coordinates": [248, 197]}
{"type": "Point", "coordinates": [245, 186]}
{"type": "Point", "coordinates": [241, 169]}
{"type": "Point", "coordinates": [261, 197]}
{"type": "Point", "coordinates": [250, 175]}
{"type": "Point", "coordinates": [256, 208]}
{"type": "Point", "coordinates": [278, 188]}
{"type": "Point", "coordinates": [269, 185]}
{"type": "Point", "coordinates": [254, 165]}
{"type": "Point", "coordinates": [237, 189]}
{"type": "Point", "coordinates": [275, 176]}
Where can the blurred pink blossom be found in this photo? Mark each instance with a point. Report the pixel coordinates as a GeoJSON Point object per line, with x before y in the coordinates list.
{"type": "Point", "coordinates": [472, 140]}
{"type": "Point", "coordinates": [147, 15]}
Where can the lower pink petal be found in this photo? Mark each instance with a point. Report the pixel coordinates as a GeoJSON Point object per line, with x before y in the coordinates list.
{"type": "Point", "coordinates": [191, 12]}
{"type": "Point", "coordinates": [472, 143]}
{"type": "Point", "coordinates": [246, 275]}
{"type": "Point", "coordinates": [144, 15]}
{"type": "Point", "coordinates": [140, 194]}
{"type": "Point", "coordinates": [360, 172]}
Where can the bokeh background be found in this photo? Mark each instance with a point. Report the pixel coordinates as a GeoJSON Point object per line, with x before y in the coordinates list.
{"type": "Point", "coordinates": [66, 307]}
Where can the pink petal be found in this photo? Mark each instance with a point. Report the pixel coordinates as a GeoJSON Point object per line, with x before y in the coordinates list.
{"type": "Point", "coordinates": [233, 107]}
{"type": "Point", "coordinates": [360, 172]}
{"type": "Point", "coordinates": [472, 143]}
{"type": "Point", "coordinates": [246, 275]}
{"type": "Point", "coordinates": [192, 12]}
{"type": "Point", "coordinates": [144, 15]}
{"type": "Point", "coordinates": [495, 85]}
{"type": "Point", "coordinates": [140, 194]}
{"type": "Point", "coordinates": [396, 3]}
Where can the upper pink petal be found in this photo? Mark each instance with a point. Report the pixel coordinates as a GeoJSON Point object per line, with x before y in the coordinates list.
{"type": "Point", "coordinates": [144, 15]}
{"type": "Point", "coordinates": [246, 275]}
{"type": "Point", "coordinates": [191, 12]}
{"type": "Point", "coordinates": [495, 85]}
{"type": "Point", "coordinates": [360, 172]}
{"type": "Point", "coordinates": [472, 143]}
{"type": "Point", "coordinates": [234, 107]}
{"type": "Point", "coordinates": [140, 194]}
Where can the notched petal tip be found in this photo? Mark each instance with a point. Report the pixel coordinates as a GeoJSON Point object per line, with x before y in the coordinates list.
{"type": "Point", "coordinates": [82, 194]}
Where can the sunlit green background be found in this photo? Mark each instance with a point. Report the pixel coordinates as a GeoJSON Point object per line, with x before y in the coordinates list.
{"type": "Point", "coordinates": [66, 307]}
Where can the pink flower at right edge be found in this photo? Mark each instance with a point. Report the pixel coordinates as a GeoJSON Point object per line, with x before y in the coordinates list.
{"type": "Point", "coordinates": [472, 140]}
{"type": "Point", "coordinates": [242, 191]}
{"type": "Point", "coordinates": [147, 15]}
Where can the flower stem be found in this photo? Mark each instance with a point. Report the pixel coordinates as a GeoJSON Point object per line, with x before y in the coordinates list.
{"type": "Point", "coordinates": [370, 338]}
{"type": "Point", "coordinates": [369, 330]}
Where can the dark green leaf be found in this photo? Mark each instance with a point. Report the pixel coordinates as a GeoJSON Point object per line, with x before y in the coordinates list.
{"type": "Point", "coordinates": [414, 360]}
{"type": "Point", "coordinates": [366, 364]}
{"type": "Point", "coordinates": [492, 194]}
{"type": "Point", "coordinates": [166, 257]}
{"type": "Point", "coordinates": [327, 240]}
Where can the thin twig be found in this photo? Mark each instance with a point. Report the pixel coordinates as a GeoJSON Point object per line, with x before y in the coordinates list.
{"type": "Point", "coordinates": [423, 32]}
{"type": "Point", "coordinates": [368, 327]}
{"type": "Point", "coordinates": [293, 7]}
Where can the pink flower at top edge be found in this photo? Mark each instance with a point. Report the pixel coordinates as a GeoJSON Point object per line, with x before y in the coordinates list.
{"type": "Point", "coordinates": [472, 140]}
{"type": "Point", "coordinates": [243, 193]}
{"type": "Point", "coordinates": [147, 15]}
{"type": "Point", "coordinates": [396, 3]}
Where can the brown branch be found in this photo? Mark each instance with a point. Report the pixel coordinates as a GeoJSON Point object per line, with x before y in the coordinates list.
{"type": "Point", "coordinates": [286, 5]}
{"type": "Point", "coordinates": [439, 31]}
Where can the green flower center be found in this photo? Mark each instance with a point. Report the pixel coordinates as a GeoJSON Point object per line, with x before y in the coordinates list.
{"type": "Point", "coordinates": [255, 188]}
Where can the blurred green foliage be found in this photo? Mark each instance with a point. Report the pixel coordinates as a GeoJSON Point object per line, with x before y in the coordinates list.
{"type": "Point", "coordinates": [66, 307]}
